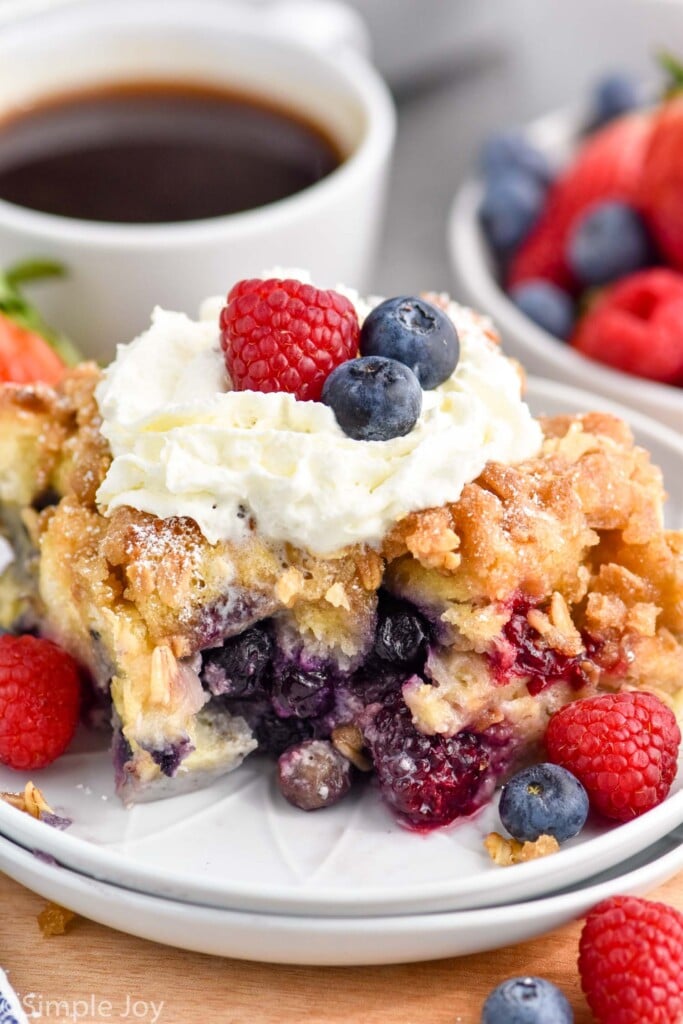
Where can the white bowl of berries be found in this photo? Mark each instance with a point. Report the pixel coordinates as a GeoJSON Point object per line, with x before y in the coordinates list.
{"type": "Point", "coordinates": [572, 239]}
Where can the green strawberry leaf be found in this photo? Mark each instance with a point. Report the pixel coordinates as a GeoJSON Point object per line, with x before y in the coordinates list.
{"type": "Point", "coordinates": [14, 305]}
{"type": "Point", "coordinates": [673, 69]}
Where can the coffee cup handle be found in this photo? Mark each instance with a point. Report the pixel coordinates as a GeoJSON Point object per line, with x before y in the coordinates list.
{"type": "Point", "coordinates": [325, 25]}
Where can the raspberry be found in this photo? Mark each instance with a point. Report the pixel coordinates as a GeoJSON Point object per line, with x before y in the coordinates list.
{"type": "Point", "coordinates": [637, 326]}
{"type": "Point", "coordinates": [623, 747]}
{"type": "Point", "coordinates": [286, 336]}
{"type": "Point", "coordinates": [631, 962]}
{"type": "Point", "coordinates": [39, 701]}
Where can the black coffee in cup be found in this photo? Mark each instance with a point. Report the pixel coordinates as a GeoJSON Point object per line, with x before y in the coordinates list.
{"type": "Point", "coordinates": [147, 153]}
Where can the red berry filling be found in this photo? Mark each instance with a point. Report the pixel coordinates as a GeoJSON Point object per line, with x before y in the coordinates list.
{"type": "Point", "coordinates": [523, 653]}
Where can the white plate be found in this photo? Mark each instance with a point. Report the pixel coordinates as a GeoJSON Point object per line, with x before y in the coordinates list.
{"type": "Point", "coordinates": [537, 349]}
{"type": "Point", "coordinates": [333, 941]}
{"type": "Point", "coordinates": [239, 845]}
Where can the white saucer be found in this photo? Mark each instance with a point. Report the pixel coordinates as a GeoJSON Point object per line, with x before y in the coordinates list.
{"type": "Point", "coordinates": [240, 846]}
{"type": "Point", "coordinates": [345, 941]}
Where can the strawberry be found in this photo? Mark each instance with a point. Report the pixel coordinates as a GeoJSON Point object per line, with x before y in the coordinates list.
{"type": "Point", "coordinates": [25, 357]}
{"type": "Point", "coordinates": [608, 166]}
{"type": "Point", "coordinates": [661, 186]}
{"type": "Point", "coordinates": [29, 350]}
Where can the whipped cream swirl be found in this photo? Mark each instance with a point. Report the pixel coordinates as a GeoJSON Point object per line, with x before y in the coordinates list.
{"type": "Point", "coordinates": [184, 444]}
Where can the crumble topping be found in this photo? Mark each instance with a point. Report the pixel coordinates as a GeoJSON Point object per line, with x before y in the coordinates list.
{"type": "Point", "coordinates": [55, 920]}
{"type": "Point", "coordinates": [31, 801]}
{"type": "Point", "coordinates": [506, 851]}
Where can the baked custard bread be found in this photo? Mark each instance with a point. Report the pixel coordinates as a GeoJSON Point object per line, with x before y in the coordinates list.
{"type": "Point", "coordinates": [237, 574]}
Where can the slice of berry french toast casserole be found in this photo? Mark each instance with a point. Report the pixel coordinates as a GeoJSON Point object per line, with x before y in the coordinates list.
{"type": "Point", "coordinates": [331, 531]}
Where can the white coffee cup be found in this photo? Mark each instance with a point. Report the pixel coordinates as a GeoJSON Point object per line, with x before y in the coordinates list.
{"type": "Point", "coordinates": [305, 54]}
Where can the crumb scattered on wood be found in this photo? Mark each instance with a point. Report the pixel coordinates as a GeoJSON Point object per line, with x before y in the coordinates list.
{"type": "Point", "coordinates": [510, 851]}
{"type": "Point", "coordinates": [55, 920]}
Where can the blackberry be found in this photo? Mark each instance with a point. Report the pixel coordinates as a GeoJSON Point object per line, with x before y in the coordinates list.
{"type": "Point", "coordinates": [431, 780]}
{"type": "Point", "coordinates": [376, 680]}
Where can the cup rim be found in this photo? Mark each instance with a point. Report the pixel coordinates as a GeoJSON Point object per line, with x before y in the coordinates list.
{"type": "Point", "coordinates": [360, 80]}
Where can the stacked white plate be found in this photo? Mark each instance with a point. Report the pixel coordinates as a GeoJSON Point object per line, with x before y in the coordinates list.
{"type": "Point", "coordinates": [235, 871]}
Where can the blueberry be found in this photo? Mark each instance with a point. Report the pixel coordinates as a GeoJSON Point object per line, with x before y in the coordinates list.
{"type": "Point", "coordinates": [376, 680]}
{"type": "Point", "coordinates": [510, 206]}
{"type": "Point", "coordinates": [614, 94]}
{"type": "Point", "coordinates": [400, 634]}
{"type": "Point", "coordinates": [547, 305]}
{"type": "Point", "coordinates": [527, 1001]}
{"type": "Point", "coordinates": [313, 775]}
{"type": "Point", "coordinates": [239, 668]}
{"type": "Point", "coordinates": [169, 757]}
{"type": "Point", "coordinates": [543, 799]}
{"type": "Point", "coordinates": [511, 150]}
{"type": "Point", "coordinates": [373, 399]}
{"type": "Point", "coordinates": [302, 693]}
{"type": "Point", "coordinates": [274, 734]}
{"type": "Point", "coordinates": [609, 241]}
{"type": "Point", "coordinates": [414, 333]}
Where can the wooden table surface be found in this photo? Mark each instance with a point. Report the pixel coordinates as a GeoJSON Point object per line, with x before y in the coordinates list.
{"type": "Point", "coordinates": [94, 974]}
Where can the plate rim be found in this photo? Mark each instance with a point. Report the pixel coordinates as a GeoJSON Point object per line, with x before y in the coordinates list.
{"type": "Point", "coordinates": [561, 908]}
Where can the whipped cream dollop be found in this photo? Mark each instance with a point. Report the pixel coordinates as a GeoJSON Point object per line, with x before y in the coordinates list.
{"type": "Point", "coordinates": [184, 444]}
